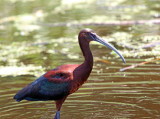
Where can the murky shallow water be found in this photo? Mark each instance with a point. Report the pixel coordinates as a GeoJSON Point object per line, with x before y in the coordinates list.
{"type": "Point", "coordinates": [28, 49]}
{"type": "Point", "coordinates": [108, 94]}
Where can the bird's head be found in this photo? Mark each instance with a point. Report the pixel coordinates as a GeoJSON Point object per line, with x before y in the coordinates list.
{"type": "Point", "coordinates": [90, 35]}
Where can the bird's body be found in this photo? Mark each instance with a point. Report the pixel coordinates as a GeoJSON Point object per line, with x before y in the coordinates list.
{"type": "Point", "coordinates": [53, 85]}
{"type": "Point", "coordinates": [58, 83]}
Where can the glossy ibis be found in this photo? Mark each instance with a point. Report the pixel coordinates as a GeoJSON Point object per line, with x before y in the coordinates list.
{"type": "Point", "coordinates": [64, 80]}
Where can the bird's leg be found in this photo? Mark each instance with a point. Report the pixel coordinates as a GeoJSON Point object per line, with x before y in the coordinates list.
{"type": "Point", "coordinates": [57, 116]}
{"type": "Point", "coordinates": [58, 107]}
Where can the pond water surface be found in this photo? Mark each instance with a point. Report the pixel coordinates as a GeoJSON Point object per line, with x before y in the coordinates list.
{"type": "Point", "coordinates": [29, 48]}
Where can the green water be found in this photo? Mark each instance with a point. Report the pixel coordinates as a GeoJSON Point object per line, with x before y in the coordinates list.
{"type": "Point", "coordinates": [37, 35]}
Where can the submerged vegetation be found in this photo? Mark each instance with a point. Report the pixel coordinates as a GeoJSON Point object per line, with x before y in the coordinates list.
{"type": "Point", "coordinates": [39, 35]}
{"type": "Point", "coordinates": [28, 40]}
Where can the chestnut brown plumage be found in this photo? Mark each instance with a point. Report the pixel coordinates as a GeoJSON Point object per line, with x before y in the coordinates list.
{"type": "Point", "coordinates": [58, 83]}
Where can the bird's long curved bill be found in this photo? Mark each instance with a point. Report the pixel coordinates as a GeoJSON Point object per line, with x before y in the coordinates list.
{"type": "Point", "coordinates": [100, 40]}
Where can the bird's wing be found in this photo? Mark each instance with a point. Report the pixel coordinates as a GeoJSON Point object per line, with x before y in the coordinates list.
{"type": "Point", "coordinates": [58, 76]}
{"type": "Point", "coordinates": [53, 85]}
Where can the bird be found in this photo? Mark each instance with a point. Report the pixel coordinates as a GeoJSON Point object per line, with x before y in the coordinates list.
{"type": "Point", "coordinates": [57, 84]}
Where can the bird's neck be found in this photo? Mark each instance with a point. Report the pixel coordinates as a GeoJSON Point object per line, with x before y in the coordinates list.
{"type": "Point", "coordinates": [84, 45]}
{"type": "Point", "coordinates": [82, 72]}
{"type": "Point", "coordinates": [85, 68]}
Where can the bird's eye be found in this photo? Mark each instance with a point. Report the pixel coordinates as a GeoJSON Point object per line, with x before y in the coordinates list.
{"type": "Point", "coordinates": [92, 36]}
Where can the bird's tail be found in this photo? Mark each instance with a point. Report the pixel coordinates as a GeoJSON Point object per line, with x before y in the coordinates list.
{"type": "Point", "coordinates": [21, 94]}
